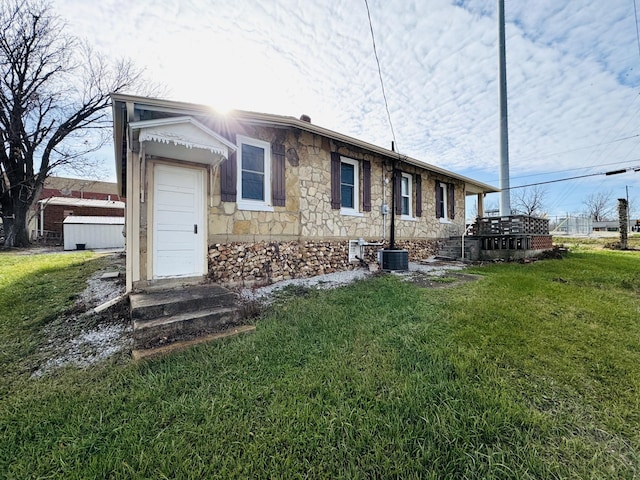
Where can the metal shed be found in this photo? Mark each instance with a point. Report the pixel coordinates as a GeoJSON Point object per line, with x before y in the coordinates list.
{"type": "Point", "coordinates": [82, 232]}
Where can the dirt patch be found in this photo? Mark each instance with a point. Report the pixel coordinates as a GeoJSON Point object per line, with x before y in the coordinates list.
{"type": "Point", "coordinates": [442, 279]}
{"type": "Point", "coordinates": [80, 337]}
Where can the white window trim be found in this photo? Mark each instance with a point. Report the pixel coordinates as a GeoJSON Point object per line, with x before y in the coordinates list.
{"type": "Point", "coordinates": [257, 205]}
{"type": "Point", "coordinates": [409, 178]}
{"type": "Point", "coordinates": [354, 212]}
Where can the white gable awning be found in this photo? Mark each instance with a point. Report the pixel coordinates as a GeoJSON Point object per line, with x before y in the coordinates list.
{"type": "Point", "coordinates": [182, 138]}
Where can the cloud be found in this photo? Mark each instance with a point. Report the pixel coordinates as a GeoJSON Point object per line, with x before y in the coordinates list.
{"type": "Point", "coordinates": [573, 70]}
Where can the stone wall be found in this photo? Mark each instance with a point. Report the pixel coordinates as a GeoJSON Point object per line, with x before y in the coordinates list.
{"type": "Point", "coordinates": [307, 214]}
{"type": "Point", "coordinates": [244, 263]}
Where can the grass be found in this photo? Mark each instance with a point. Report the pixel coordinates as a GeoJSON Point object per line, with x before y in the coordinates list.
{"type": "Point", "coordinates": [532, 372]}
{"type": "Point", "coordinates": [34, 290]}
{"type": "Point", "coordinates": [591, 242]}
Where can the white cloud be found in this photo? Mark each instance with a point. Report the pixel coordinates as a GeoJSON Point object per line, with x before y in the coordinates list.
{"type": "Point", "coordinates": [573, 71]}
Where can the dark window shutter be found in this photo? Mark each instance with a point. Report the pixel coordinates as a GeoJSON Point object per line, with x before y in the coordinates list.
{"type": "Point", "coordinates": [228, 175]}
{"type": "Point", "coordinates": [452, 201]}
{"type": "Point", "coordinates": [366, 185]}
{"type": "Point", "coordinates": [439, 199]}
{"type": "Point", "coordinates": [418, 195]}
{"type": "Point", "coordinates": [397, 182]}
{"type": "Point", "coordinates": [335, 180]}
{"type": "Point", "coordinates": [278, 193]}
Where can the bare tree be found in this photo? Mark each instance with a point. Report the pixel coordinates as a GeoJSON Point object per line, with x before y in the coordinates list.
{"type": "Point", "coordinates": [599, 206]}
{"type": "Point", "coordinates": [529, 201]}
{"type": "Point", "coordinates": [54, 91]}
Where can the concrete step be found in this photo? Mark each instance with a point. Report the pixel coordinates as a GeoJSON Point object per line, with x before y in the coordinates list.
{"type": "Point", "coordinates": [139, 354]}
{"type": "Point", "coordinates": [182, 314]}
{"type": "Point", "coordinates": [151, 333]}
{"type": "Point", "coordinates": [145, 306]}
{"type": "Point", "coordinates": [452, 249]}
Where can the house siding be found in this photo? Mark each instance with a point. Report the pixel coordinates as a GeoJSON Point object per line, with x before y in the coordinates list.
{"type": "Point", "coordinates": [307, 213]}
{"type": "Point", "coordinates": [298, 232]}
{"type": "Point", "coordinates": [307, 236]}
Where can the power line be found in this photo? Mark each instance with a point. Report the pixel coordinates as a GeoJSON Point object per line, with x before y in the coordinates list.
{"type": "Point", "coordinates": [384, 95]}
{"type": "Point", "coordinates": [613, 172]}
{"type": "Point", "coordinates": [570, 169]}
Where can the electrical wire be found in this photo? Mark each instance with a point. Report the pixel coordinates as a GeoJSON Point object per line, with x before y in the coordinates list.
{"type": "Point", "coordinates": [615, 172]}
{"type": "Point", "coordinates": [568, 170]}
{"type": "Point", "coordinates": [384, 95]}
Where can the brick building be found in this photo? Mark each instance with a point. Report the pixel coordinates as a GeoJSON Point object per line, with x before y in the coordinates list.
{"type": "Point", "coordinates": [62, 197]}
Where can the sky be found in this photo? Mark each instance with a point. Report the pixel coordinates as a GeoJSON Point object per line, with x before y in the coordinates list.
{"type": "Point", "coordinates": [573, 77]}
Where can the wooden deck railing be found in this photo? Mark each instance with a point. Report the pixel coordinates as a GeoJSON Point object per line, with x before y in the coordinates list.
{"type": "Point", "coordinates": [515, 232]}
{"type": "Point", "coordinates": [511, 225]}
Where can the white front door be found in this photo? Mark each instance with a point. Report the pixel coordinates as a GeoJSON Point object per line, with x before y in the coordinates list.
{"type": "Point", "coordinates": [178, 222]}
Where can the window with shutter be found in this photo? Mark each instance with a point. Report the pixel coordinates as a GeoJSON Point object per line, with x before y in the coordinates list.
{"type": "Point", "coordinates": [253, 183]}
{"type": "Point", "coordinates": [349, 185]}
{"type": "Point", "coordinates": [345, 185]}
{"type": "Point", "coordinates": [405, 195]}
{"type": "Point", "coordinates": [440, 199]}
{"type": "Point", "coordinates": [445, 200]}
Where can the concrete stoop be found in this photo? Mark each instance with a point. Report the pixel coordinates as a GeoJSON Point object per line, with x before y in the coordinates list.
{"type": "Point", "coordinates": [182, 316]}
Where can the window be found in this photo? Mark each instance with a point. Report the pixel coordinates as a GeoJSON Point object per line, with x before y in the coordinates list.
{"type": "Point", "coordinates": [254, 174]}
{"type": "Point", "coordinates": [445, 196]}
{"type": "Point", "coordinates": [345, 185]}
{"type": "Point", "coordinates": [441, 202]}
{"type": "Point", "coordinates": [405, 194]}
{"type": "Point", "coordinates": [349, 186]}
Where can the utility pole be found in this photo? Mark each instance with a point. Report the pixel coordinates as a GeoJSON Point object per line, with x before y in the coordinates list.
{"type": "Point", "coordinates": [626, 187]}
{"type": "Point", "coordinates": [505, 194]}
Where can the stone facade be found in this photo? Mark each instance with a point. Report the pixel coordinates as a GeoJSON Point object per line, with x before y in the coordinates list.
{"type": "Point", "coordinates": [307, 214]}
{"type": "Point", "coordinates": [298, 228]}
{"type": "Point", "coordinates": [306, 236]}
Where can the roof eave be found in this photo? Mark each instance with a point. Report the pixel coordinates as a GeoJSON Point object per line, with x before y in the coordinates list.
{"type": "Point", "coordinates": [285, 121]}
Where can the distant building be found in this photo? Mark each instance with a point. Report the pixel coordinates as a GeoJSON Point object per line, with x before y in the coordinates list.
{"type": "Point", "coordinates": [606, 226]}
{"type": "Point", "coordinates": [62, 197]}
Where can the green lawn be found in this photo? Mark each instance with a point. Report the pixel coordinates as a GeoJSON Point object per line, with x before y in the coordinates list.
{"type": "Point", "coordinates": [531, 372]}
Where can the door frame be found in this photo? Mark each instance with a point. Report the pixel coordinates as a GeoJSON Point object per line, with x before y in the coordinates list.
{"type": "Point", "coordinates": [203, 192]}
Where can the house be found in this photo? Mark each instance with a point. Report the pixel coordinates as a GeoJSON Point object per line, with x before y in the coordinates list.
{"type": "Point", "coordinates": [254, 197]}
{"type": "Point", "coordinates": [62, 197]}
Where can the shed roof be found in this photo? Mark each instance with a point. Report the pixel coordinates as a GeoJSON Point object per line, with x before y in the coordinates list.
{"type": "Point", "coordinates": [97, 220]}
{"type": "Point", "coordinates": [82, 202]}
